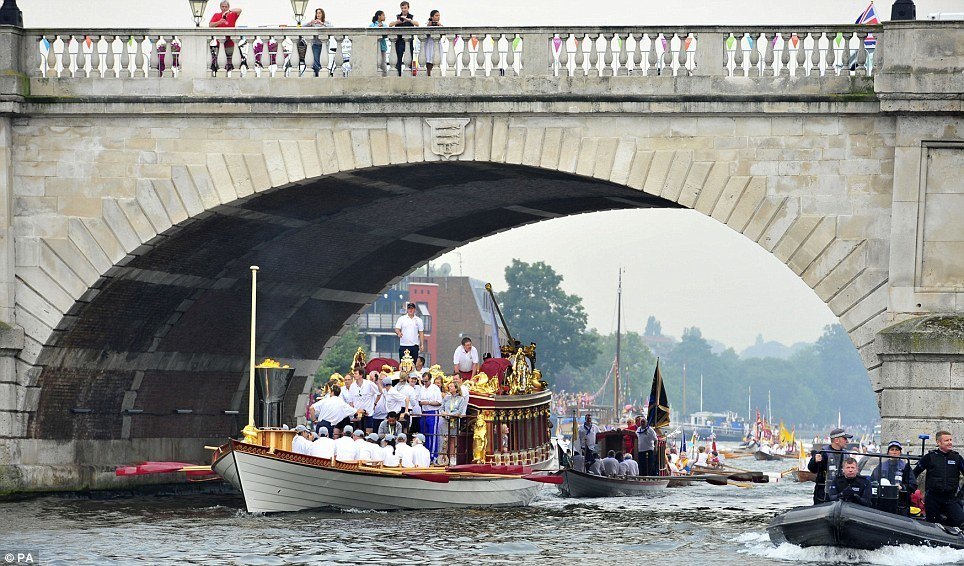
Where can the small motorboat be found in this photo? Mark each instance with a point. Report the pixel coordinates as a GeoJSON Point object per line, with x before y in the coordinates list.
{"type": "Point", "coordinates": [848, 525]}
{"type": "Point", "coordinates": [803, 476]}
{"type": "Point", "coordinates": [581, 484]}
{"type": "Point", "coordinates": [761, 455]}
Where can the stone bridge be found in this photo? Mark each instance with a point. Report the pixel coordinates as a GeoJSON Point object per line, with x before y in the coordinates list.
{"type": "Point", "coordinates": [143, 171]}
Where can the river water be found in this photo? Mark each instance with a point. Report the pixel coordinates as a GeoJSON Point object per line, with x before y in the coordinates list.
{"type": "Point", "coordinates": [702, 524]}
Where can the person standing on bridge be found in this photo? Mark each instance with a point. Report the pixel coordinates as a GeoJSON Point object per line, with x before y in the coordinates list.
{"type": "Point", "coordinates": [320, 21]}
{"type": "Point", "coordinates": [411, 333]}
{"type": "Point", "coordinates": [430, 46]}
{"type": "Point", "coordinates": [403, 19]}
{"type": "Point", "coordinates": [226, 18]}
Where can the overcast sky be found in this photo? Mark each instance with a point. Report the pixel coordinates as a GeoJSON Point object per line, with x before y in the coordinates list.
{"type": "Point", "coordinates": [685, 268]}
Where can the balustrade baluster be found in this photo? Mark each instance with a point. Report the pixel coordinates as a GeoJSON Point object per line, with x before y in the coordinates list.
{"type": "Point", "coordinates": [466, 56]}
{"type": "Point", "coordinates": [769, 67]}
{"type": "Point", "coordinates": [845, 63]}
{"type": "Point", "coordinates": [564, 69]}
{"type": "Point", "coordinates": [861, 69]}
{"type": "Point", "coordinates": [480, 57]}
{"type": "Point", "coordinates": [801, 55]}
{"type": "Point", "coordinates": [738, 70]}
{"type": "Point", "coordinates": [785, 54]}
{"type": "Point", "coordinates": [652, 59]}
{"type": "Point", "coordinates": [594, 55]}
{"type": "Point", "coordinates": [607, 68]}
{"type": "Point", "coordinates": [581, 55]}
{"type": "Point", "coordinates": [638, 54]}
{"type": "Point", "coordinates": [57, 46]}
{"type": "Point", "coordinates": [815, 54]}
{"type": "Point", "coordinates": [623, 59]}
{"type": "Point", "coordinates": [831, 55]}
{"type": "Point", "coordinates": [668, 55]}
{"type": "Point", "coordinates": [510, 67]}
{"type": "Point", "coordinates": [495, 59]}
{"type": "Point", "coordinates": [448, 56]}
{"type": "Point", "coordinates": [682, 56]}
{"type": "Point", "coordinates": [70, 56]}
{"type": "Point", "coordinates": [755, 55]}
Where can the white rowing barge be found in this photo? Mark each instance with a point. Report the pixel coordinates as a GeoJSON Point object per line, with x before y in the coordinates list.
{"type": "Point", "coordinates": [279, 481]}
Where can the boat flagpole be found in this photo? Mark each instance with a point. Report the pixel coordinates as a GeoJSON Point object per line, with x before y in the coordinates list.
{"type": "Point", "coordinates": [701, 392]}
{"type": "Point", "coordinates": [769, 407]}
{"type": "Point", "coordinates": [616, 384]}
{"type": "Point", "coordinates": [251, 431]}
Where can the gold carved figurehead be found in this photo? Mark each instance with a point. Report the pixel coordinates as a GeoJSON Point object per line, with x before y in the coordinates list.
{"type": "Point", "coordinates": [482, 384]}
{"type": "Point", "coordinates": [407, 365]}
{"type": "Point", "coordinates": [521, 373]}
{"type": "Point", "coordinates": [359, 361]}
{"type": "Point", "coordinates": [535, 382]}
{"type": "Point", "coordinates": [480, 435]}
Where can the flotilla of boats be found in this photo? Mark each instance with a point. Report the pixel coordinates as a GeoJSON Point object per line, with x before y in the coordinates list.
{"type": "Point", "coordinates": [487, 471]}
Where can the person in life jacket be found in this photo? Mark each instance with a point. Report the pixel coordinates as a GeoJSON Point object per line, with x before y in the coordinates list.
{"type": "Point", "coordinates": [826, 463]}
{"type": "Point", "coordinates": [944, 469]}
{"type": "Point", "coordinates": [851, 486]}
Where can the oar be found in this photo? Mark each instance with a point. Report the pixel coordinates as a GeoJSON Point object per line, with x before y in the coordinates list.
{"type": "Point", "coordinates": [723, 480]}
{"type": "Point", "coordinates": [435, 478]}
{"type": "Point", "coordinates": [543, 478]}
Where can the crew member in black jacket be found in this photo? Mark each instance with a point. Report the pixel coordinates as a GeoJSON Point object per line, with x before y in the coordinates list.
{"type": "Point", "coordinates": [851, 486]}
{"type": "Point", "coordinates": [827, 462]}
{"type": "Point", "coordinates": [944, 468]}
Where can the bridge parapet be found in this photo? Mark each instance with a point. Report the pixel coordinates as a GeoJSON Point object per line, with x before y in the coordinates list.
{"type": "Point", "coordinates": [752, 60]}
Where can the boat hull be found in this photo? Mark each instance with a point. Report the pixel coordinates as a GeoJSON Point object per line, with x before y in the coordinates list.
{"type": "Point", "coordinates": [580, 484]}
{"type": "Point", "coordinates": [272, 483]}
{"type": "Point", "coordinates": [767, 457]}
{"type": "Point", "coordinates": [852, 526]}
{"type": "Point", "coordinates": [803, 476]}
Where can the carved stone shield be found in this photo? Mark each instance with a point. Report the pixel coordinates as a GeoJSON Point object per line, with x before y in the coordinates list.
{"type": "Point", "coordinates": [448, 136]}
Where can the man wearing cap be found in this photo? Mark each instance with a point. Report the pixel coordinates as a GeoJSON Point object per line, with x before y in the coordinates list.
{"type": "Point", "coordinates": [404, 452]}
{"type": "Point", "coordinates": [896, 471]}
{"type": "Point", "coordinates": [345, 447]}
{"type": "Point", "coordinates": [466, 359]}
{"type": "Point", "coordinates": [827, 463]}
{"type": "Point", "coordinates": [301, 443]}
{"type": "Point", "coordinates": [411, 333]}
{"type": "Point", "coordinates": [944, 468]}
{"type": "Point", "coordinates": [324, 447]}
{"type": "Point", "coordinates": [421, 458]}
{"type": "Point", "coordinates": [375, 453]}
{"type": "Point", "coordinates": [851, 486]}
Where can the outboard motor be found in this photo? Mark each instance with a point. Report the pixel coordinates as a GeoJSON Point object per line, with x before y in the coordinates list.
{"type": "Point", "coordinates": [271, 385]}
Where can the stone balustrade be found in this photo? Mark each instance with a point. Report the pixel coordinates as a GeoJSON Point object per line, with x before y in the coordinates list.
{"type": "Point", "coordinates": [255, 53]}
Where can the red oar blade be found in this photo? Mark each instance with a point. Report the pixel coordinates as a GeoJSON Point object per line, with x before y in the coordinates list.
{"type": "Point", "coordinates": [437, 478]}
{"type": "Point", "coordinates": [543, 478]}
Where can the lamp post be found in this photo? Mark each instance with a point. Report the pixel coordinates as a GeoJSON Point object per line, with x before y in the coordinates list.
{"type": "Point", "coordinates": [299, 7]}
{"type": "Point", "coordinates": [197, 9]}
{"type": "Point", "coordinates": [903, 10]}
{"type": "Point", "coordinates": [10, 14]}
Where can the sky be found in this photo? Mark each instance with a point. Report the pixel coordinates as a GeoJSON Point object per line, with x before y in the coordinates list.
{"type": "Point", "coordinates": [684, 268]}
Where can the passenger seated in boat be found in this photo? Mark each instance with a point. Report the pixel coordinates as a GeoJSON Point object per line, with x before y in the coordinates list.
{"type": "Point", "coordinates": [368, 449]}
{"type": "Point", "coordinates": [779, 450]}
{"type": "Point", "coordinates": [610, 464]}
{"type": "Point", "coordinates": [851, 486]}
{"type": "Point", "coordinates": [578, 462]}
{"type": "Point", "coordinates": [632, 468]}
{"type": "Point", "coordinates": [324, 447]}
{"type": "Point", "coordinates": [404, 452]}
{"type": "Point", "coordinates": [765, 448]}
{"type": "Point", "coordinates": [390, 426]}
{"type": "Point", "coordinates": [716, 459]}
{"type": "Point", "coordinates": [421, 457]}
{"type": "Point", "coordinates": [346, 447]}
{"type": "Point", "coordinates": [702, 457]}
{"type": "Point", "coordinates": [389, 458]}
{"type": "Point", "coordinates": [672, 462]}
{"type": "Point", "coordinates": [596, 467]}
{"type": "Point", "coordinates": [302, 440]}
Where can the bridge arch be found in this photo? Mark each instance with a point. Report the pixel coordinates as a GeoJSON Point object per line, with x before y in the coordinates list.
{"type": "Point", "coordinates": [142, 304]}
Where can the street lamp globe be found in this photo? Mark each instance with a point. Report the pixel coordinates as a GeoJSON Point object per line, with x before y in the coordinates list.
{"type": "Point", "coordinates": [299, 7]}
{"type": "Point", "coordinates": [197, 9]}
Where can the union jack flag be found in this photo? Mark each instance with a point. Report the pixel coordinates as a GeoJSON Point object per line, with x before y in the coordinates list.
{"type": "Point", "coordinates": [869, 17]}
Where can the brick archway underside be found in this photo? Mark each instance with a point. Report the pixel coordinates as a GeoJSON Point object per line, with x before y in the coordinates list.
{"type": "Point", "coordinates": [167, 328]}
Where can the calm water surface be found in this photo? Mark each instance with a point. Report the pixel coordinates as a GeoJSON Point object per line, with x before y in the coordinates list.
{"type": "Point", "coordinates": [694, 525]}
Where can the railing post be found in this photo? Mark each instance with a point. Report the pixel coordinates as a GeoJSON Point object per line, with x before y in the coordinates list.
{"type": "Point", "coordinates": [13, 78]}
{"type": "Point", "coordinates": [195, 55]}
{"type": "Point", "coordinates": [535, 54]}
{"type": "Point", "coordinates": [364, 54]}
{"type": "Point", "coordinates": [709, 53]}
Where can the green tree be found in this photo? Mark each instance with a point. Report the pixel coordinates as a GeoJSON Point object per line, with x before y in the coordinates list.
{"type": "Point", "coordinates": [636, 363]}
{"type": "Point", "coordinates": [538, 310]}
{"type": "Point", "coordinates": [653, 327]}
{"type": "Point", "coordinates": [339, 357]}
